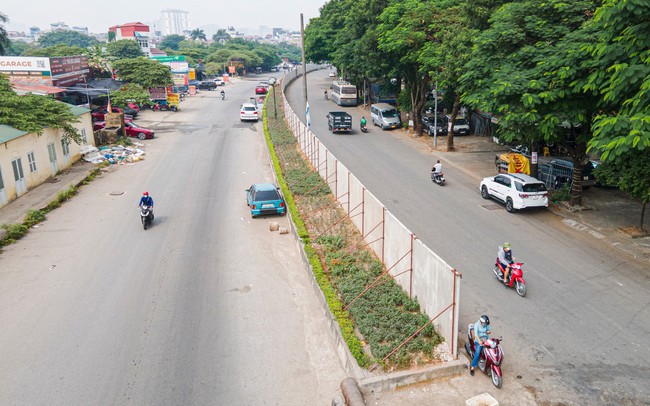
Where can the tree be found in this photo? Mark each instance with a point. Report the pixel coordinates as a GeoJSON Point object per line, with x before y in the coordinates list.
{"type": "Point", "coordinates": [144, 72]}
{"type": "Point", "coordinates": [130, 93]}
{"type": "Point", "coordinates": [621, 76]}
{"type": "Point", "coordinates": [53, 51]}
{"type": "Point", "coordinates": [69, 38]}
{"type": "Point", "coordinates": [18, 48]}
{"type": "Point", "coordinates": [124, 49]}
{"type": "Point", "coordinates": [518, 71]}
{"type": "Point", "coordinates": [4, 39]}
{"type": "Point", "coordinates": [32, 113]}
{"type": "Point", "coordinates": [171, 42]}
{"type": "Point", "coordinates": [221, 36]}
{"type": "Point", "coordinates": [198, 34]}
{"type": "Point", "coordinates": [631, 173]}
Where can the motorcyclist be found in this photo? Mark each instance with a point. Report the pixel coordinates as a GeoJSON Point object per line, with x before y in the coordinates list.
{"type": "Point", "coordinates": [325, 94]}
{"type": "Point", "coordinates": [363, 122]}
{"type": "Point", "coordinates": [437, 167]}
{"type": "Point", "coordinates": [223, 94]}
{"type": "Point", "coordinates": [146, 200]}
{"type": "Point", "coordinates": [505, 259]}
{"type": "Point", "coordinates": [481, 334]}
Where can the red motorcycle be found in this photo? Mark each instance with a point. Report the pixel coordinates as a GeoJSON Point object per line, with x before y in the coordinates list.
{"type": "Point", "coordinates": [515, 278]}
{"type": "Point", "coordinates": [491, 357]}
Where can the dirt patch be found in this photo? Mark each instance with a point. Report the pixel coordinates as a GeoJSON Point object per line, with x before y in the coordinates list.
{"type": "Point", "coordinates": [634, 232]}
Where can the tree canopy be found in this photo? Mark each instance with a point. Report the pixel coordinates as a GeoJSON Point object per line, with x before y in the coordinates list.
{"type": "Point", "coordinates": [198, 34]}
{"type": "Point", "coordinates": [171, 42]}
{"type": "Point", "coordinates": [67, 37]}
{"type": "Point", "coordinates": [124, 49]}
{"type": "Point", "coordinates": [4, 39]}
{"type": "Point", "coordinates": [34, 113]}
{"type": "Point", "coordinates": [143, 71]}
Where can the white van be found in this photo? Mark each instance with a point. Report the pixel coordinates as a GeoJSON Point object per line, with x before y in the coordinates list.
{"type": "Point", "coordinates": [384, 115]}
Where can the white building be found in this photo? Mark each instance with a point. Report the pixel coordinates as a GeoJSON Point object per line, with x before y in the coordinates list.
{"type": "Point", "coordinates": [174, 21]}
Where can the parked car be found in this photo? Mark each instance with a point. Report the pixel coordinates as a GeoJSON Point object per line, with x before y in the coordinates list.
{"type": "Point", "coordinates": [429, 120]}
{"type": "Point", "coordinates": [132, 130]}
{"type": "Point", "coordinates": [193, 82]}
{"type": "Point", "coordinates": [517, 190]}
{"type": "Point", "coordinates": [265, 198]}
{"type": "Point", "coordinates": [261, 89]}
{"type": "Point", "coordinates": [384, 115]}
{"type": "Point", "coordinates": [248, 112]}
{"type": "Point", "coordinates": [332, 74]}
{"type": "Point", "coordinates": [461, 126]}
{"type": "Point", "coordinates": [98, 114]}
{"type": "Point", "coordinates": [206, 85]}
{"type": "Point", "coordinates": [134, 106]}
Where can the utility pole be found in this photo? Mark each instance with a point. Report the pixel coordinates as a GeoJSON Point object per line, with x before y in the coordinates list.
{"type": "Point", "coordinates": [435, 115]}
{"type": "Point", "coordinates": [304, 69]}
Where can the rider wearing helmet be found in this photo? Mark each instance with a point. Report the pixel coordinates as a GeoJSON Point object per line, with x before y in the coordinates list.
{"type": "Point", "coordinates": [146, 200]}
{"type": "Point", "coordinates": [505, 258]}
{"type": "Point", "coordinates": [481, 332]}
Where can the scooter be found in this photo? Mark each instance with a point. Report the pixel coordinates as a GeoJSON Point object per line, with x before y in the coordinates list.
{"type": "Point", "coordinates": [438, 177]}
{"type": "Point", "coordinates": [146, 216]}
{"type": "Point", "coordinates": [223, 95]}
{"type": "Point", "coordinates": [491, 357]}
{"type": "Point", "coordinates": [515, 278]}
{"type": "Point", "coordinates": [364, 128]}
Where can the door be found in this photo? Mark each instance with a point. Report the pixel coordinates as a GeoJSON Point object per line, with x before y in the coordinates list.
{"type": "Point", "coordinates": [19, 176]}
{"type": "Point", "coordinates": [54, 165]}
{"type": "Point", "coordinates": [3, 192]}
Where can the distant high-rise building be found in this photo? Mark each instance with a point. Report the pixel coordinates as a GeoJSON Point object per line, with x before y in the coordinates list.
{"type": "Point", "coordinates": [174, 21]}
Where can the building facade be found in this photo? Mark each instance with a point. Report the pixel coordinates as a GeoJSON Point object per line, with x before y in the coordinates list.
{"type": "Point", "coordinates": [174, 21]}
{"type": "Point", "coordinates": [135, 31]}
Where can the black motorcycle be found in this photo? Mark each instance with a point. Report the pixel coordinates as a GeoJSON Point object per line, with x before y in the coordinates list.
{"type": "Point", "coordinates": [438, 177]}
{"type": "Point", "coordinates": [146, 216]}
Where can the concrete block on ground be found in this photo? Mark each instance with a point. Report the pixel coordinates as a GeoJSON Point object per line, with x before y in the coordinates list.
{"type": "Point", "coordinates": [484, 399]}
{"type": "Point", "coordinates": [274, 226]}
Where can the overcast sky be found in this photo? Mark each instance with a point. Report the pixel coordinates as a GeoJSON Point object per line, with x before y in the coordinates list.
{"type": "Point", "coordinates": [99, 15]}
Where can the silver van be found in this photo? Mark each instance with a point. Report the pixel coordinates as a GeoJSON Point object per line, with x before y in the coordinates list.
{"type": "Point", "coordinates": [384, 115]}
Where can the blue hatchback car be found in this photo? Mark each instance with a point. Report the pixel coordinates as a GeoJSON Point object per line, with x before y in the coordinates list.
{"type": "Point", "coordinates": [265, 198]}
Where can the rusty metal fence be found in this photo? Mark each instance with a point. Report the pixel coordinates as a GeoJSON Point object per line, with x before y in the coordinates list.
{"type": "Point", "coordinates": [418, 270]}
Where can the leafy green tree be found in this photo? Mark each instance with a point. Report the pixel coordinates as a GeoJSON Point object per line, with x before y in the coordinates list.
{"type": "Point", "coordinates": [18, 48]}
{"type": "Point", "coordinates": [130, 93]}
{"type": "Point", "coordinates": [111, 36]}
{"type": "Point", "coordinates": [171, 42]}
{"type": "Point", "coordinates": [517, 70]}
{"type": "Point", "coordinates": [221, 36]}
{"type": "Point", "coordinates": [34, 113]}
{"type": "Point", "coordinates": [621, 76]}
{"type": "Point", "coordinates": [4, 39]}
{"type": "Point", "coordinates": [631, 173]}
{"type": "Point", "coordinates": [144, 72]}
{"type": "Point", "coordinates": [68, 37]}
{"type": "Point", "coordinates": [124, 49]}
{"type": "Point", "coordinates": [53, 51]}
{"type": "Point", "coordinates": [198, 34]}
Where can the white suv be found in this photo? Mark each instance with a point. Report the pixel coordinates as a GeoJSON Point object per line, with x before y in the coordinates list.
{"type": "Point", "coordinates": [516, 190]}
{"type": "Point", "coordinates": [248, 112]}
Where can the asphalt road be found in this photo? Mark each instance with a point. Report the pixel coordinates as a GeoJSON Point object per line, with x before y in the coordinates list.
{"type": "Point", "coordinates": [579, 335]}
{"type": "Point", "coordinates": [206, 307]}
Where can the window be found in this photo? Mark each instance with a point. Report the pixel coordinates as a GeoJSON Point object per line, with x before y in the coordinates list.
{"type": "Point", "coordinates": [83, 136]}
{"type": "Point", "coordinates": [2, 183]}
{"type": "Point", "coordinates": [32, 162]}
{"type": "Point", "coordinates": [18, 169]}
{"type": "Point", "coordinates": [51, 152]}
{"type": "Point", "coordinates": [65, 146]}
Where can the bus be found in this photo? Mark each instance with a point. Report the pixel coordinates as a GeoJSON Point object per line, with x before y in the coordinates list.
{"type": "Point", "coordinates": [343, 93]}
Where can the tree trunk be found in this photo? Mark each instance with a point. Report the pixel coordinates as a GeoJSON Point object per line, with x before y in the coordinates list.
{"type": "Point", "coordinates": [642, 215]}
{"type": "Point", "coordinates": [418, 105]}
{"type": "Point", "coordinates": [576, 183]}
{"type": "Point", "coordinates": [454, 113]}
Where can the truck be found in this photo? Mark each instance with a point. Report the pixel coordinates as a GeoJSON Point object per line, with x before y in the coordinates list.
{"type": "Point", "coordinates": [339, 121]}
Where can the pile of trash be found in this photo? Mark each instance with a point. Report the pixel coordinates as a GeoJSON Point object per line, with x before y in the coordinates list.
{"type": "Point", "coordinates": [117, 154]}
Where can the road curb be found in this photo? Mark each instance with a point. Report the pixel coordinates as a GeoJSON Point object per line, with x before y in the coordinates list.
{"type": "Point", "coordinates": [403, 378]}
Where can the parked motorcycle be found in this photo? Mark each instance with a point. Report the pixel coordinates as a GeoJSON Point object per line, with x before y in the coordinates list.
{"type": "Point", "coordinates": [146, 216]}
{"type": "Point", "coordinates": [515, 278]}
{"type": "Point", "coordinates": [438, 177]}
{"type": "Point", "coordinates": [491, 357]}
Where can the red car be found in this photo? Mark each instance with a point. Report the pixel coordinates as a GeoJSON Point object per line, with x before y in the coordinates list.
{"type": "Point", "coordinates": [132, 130]}
{"type": "Point", "coordinates": [261, 89]}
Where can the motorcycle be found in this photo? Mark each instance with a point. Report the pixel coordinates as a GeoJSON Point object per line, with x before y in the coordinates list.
{"type": "Point", "coordinates": [223, 95]}
{"type": "Point", "coordinates": [364, 128]}
{"type": "Point", "coordinates": [491, 357]}
{"type": "Point", "coordinates": [515, 278]}
{"type": "Point", "coordinates": [438, 177]}
{"type": "Point", "coordinates": [146, 216]}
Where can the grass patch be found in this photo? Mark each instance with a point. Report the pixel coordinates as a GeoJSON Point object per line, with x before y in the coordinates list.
{"type": "Point", "coordinates": [384, 315]}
